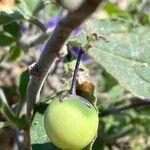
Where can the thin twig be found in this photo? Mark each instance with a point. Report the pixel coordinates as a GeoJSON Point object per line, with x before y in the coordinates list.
{"type": "Point", "coordinates": [111, 139]}
{"type": "Point", "coordinates": [40, 71]}
{"type": "Point", "coordinates": [39, 24]}
{"type": "Point", "coordinates": [139, 103]}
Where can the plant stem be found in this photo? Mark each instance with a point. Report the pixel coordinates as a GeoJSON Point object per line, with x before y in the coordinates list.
{"type": "Point", "coordinates": [39, 24]}
{"type": "Point", "coordinates": [112, 138]}
{"type": "Point", "coordinates": [58, 38]}
{"type": "Point", "coordinates": [10, 116]}
{"type": "Point", "coordinates": [74, 79]}
{"type": "Point", "coordinates": [139, 103]}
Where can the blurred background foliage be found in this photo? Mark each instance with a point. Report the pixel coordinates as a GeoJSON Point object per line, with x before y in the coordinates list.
{"type": "Point", "coordinates": [127, 129]}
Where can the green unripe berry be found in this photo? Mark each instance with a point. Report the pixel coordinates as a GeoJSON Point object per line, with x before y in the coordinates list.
{"type": "Point", "coordinates": [71, 124]}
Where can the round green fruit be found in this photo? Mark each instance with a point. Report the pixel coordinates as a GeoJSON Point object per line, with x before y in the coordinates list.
{"type": "Point", "coordinates": [71, 124]}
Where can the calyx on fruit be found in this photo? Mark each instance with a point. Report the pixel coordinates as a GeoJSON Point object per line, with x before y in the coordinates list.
{"type": "Point", "coordinates": [71, 124]}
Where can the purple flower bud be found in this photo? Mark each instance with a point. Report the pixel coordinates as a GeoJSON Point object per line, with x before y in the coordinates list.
{"type": "Point", "coordinates": [52, 22]}
{"type": "Point", "coordinates": [76, 31]}
{"type": "Point", "coordinates": [85, 57]}
{"type": "Point", "coordinates": [24, 28]}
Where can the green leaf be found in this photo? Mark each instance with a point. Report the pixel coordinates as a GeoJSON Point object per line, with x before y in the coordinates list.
{"type": "Point", "coordinates": [13, 29]}
{"type": "Point", "coordinates": [27, 7]}
{"type": "Point", "coordinates": [52, 9]}
{"type": "Point", "coordinates": [34, 4]}
{"type": "Point", "coordinates": [38, 125]}
{"type": "Point", "coordinates": [6, 18]}
{"type": "Point", "coordinates": [111, 9]}
{"type": "Point", "coordinates": [110, 81]}
{"type": "Point", "coordinates": [11, 116]}
{"type": "Point", "coordinates": [39, 138]}
{"type": "Point", "coordinates": [146, 18]}
{"type": "Point", "coordinates": [114, 11]}
{"type": "Point", "coordinates": [23, 83]}
{"type": "Point", "coordinates": [115, 93]}
{"type": "Point", "coordinates": [5, 39]}
{"type": "Point", "coordinates": [99, 144]}
{"type": "Point", "coordinates": [15, 54]}
{"type": "Point", "coordinates": [45, 146]}
{"type": "Point", "coordinates": [102, 27]}
{"type": "Point", "coordinates": [126, 56]}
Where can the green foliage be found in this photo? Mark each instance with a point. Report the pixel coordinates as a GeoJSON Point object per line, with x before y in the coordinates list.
{"type": "Point", "coordinates": [6, 18]}
{"type": "Point", "coordinates": [25, 9]}
{"type": "Point", "coordinates": [9, 34]}
{"type": "Point", "coordinates": [127, 60]}
{"type": "Point", "coordinates": [125, 56]}
{"type": "Point", "coordinates": [115, 94]}
{"type": "Point", "coordinates": [11, 117]}
{"type": "Point", "coordinates": [39, 139]}
{"type": "Point", "coordinates": [114, 10]}
{"type": "Point", "coordinates": [23, 83]}
{"type": "Point", "coordinates": [33, 5]}
{"type": "Point", "coordinates": [110, 81]}
{"type": "Point", "coordinates": [6, 38]}
{"type": "Point", "coordinates": [28, 7]}
{"type": "Point", "coordinates": [15, 53]}
{"type": "Point", "coordinates": [13, 29]}
{"type": "Point", "coordinates": [120, 68]}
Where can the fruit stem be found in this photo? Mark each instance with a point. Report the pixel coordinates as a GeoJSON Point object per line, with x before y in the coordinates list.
{"type": "Point", "coordinates": [74, 79]}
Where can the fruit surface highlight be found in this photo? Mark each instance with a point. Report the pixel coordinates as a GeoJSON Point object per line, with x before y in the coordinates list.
{"type": "Point", "coordinates": [71, 124]}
